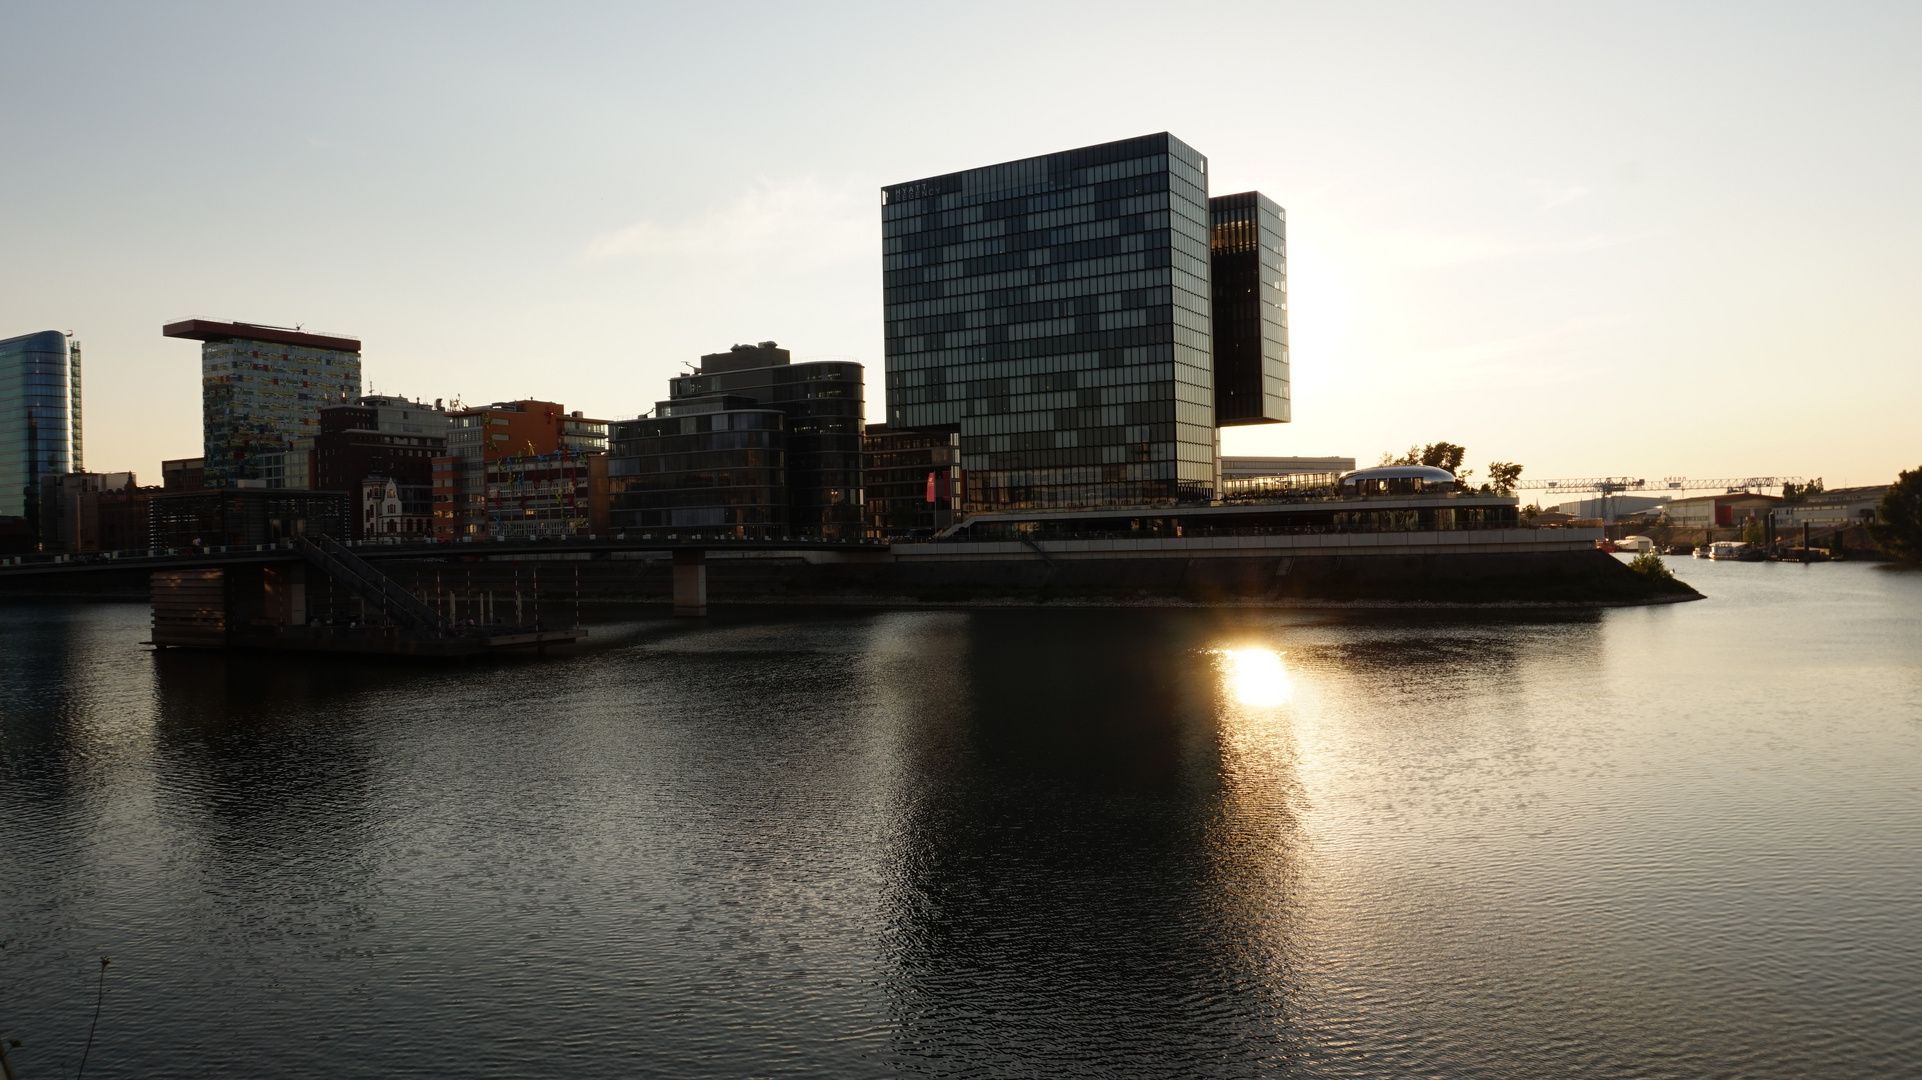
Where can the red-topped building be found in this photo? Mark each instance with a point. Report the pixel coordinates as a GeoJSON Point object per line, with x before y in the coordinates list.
{"type": "Point", "coordinates": [517, 468]}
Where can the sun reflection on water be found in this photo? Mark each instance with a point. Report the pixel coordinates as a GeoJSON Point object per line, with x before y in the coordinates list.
{"type": "Point", "coordinates": [1257, 676]}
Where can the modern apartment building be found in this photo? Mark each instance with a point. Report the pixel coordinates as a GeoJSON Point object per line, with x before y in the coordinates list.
{"type": "Point", "coordinates": [39, 416]}
{"type": "Point", "coordinates": [750, 443]}
{"type": "Point", "coordinates": [1086, 321]}
{"type": "Point", "coordinates": [470, 494]}
{"type": "Point", "coordinates": [262, 388]}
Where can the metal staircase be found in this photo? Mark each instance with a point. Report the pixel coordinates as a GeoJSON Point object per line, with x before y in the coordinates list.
{"type": "Point", "coordinates": [377, 589]}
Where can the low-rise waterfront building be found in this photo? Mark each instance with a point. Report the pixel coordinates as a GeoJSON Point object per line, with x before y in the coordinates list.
{"type": "Point", "coordinates": [240, 517]}
{"type": "Point", "coordinates": [1719, 511]}
{"type": "Point", "coordinates": [911, 480]}
{"type": "Point", "coordinates": [1832, 509]}
{"type": "Point", "coordinates": [1258, 468]}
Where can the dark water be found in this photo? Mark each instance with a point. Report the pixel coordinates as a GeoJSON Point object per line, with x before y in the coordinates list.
{"type": "Point", "coordinates": [1682, 841]}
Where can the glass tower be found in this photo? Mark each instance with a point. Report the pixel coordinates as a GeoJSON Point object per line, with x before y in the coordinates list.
{"type": "Point", "coordinates": [39, 416]}
{"type": "Point", "coordinates": [1055, 312]}
{"type": "Point", "coordinates": [262, 387]}
{"type": "Point", "coordinates": [1247, 235]}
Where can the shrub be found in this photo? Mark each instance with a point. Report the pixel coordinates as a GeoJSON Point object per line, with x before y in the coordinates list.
{"type": "Point", "coordinates": [1651, 566]}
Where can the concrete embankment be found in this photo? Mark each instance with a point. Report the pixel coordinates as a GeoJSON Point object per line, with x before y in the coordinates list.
{"type": "Point", "coordinates": [1488, 567]}
{"type": "Point", "coordinates": [1495, 566]}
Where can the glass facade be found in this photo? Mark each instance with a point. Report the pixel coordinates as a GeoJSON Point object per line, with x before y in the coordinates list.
{"type": "Point", "coordinates": [715, 466]}
{"type": "Point", "coordinates": [1055, 312]}
{"type": "Point", "coordinates": [39, 416]}
{"type": "Point", "coordinates": [1247, 240]}
{"type": "Point", "coordinates": [822, 403]}
{"type": "Point", "coordinates": [912, 480]}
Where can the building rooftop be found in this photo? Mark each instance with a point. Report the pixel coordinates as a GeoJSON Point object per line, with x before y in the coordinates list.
{"type": "Point", "coordinates": [210, 330]}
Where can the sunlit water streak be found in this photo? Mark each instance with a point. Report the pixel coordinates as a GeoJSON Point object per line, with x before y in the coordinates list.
{"type": "Point", "coordinates": [1676, 841]}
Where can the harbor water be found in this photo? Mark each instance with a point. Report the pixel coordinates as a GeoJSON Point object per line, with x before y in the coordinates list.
{"type": "Point", "coordinates": [1681, 841]}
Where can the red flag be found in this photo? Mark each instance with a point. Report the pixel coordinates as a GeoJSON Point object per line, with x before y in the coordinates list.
{"type": "Point", "coordinates": [930, 487]}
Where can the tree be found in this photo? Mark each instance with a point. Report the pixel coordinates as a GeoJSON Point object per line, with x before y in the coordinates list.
{"type": "Point", "coordinates": [1441, 455]}
{"type": "Point", "coordinates": [1898, 521]}
{"type": "Point", "coordinates": [1795, 493]}
{"type": "Point", "coordinates": [1502, 476]}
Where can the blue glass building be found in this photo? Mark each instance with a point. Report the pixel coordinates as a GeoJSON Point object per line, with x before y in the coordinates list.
{"type": "Point", "coordinates": [1056, 311]}
{"type": "Point", "coordinates": [39, 416]}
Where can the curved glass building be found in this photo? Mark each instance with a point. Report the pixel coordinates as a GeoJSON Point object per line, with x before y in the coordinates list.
{"type": "Point", "coordinates": [39, 416]}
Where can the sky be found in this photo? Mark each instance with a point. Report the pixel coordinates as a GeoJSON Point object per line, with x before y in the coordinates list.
{"type": "Point", "coordinates": [1652, 240]}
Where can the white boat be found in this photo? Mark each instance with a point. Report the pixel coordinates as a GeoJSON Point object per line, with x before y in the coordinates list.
{"type": "Point", "coordinates": [1635, 545]}
{"type": "Point", "coordinates": [1727, 549]}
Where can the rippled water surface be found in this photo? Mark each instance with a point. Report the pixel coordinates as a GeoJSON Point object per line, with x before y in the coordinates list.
{"type": "Point", "coordinates": [1676, 841]}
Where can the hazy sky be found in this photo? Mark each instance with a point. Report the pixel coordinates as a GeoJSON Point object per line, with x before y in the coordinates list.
{"type": "Point", "coordinates": [1651, 239]}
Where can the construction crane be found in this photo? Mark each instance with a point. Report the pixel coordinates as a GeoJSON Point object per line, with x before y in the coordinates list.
{"type": "Point", "coordinates": [1607, 486]}
{"type": "Point", "coordinates": [1610, 485]}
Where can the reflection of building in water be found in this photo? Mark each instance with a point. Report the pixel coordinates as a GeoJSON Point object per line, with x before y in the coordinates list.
{"type": "Point", "coordinates": [1077, 864]}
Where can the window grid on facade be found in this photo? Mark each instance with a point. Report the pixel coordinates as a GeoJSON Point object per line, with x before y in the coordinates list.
{"type": "Point", "coordinates": [1056, 313]}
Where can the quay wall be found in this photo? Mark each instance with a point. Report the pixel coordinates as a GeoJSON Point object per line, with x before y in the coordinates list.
{"type": "Point", "coordinates": [1516, 565]}
{"type": "Point", "coordinates": [1470, 566]}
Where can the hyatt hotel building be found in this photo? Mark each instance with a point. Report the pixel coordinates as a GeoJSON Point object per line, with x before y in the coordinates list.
{"type": "Point", "coordinates": [1086, 321]}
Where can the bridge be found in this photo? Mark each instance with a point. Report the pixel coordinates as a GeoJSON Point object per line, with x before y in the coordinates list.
{"type": "Point", "coordinates": [256, 595]}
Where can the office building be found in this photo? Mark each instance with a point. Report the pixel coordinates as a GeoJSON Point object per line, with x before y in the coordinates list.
{"type": "Point", "coordinates": [751, 444]}
{"type": "Point", "coordinates": [1055, 312]}
{"type": "Point", "coordinates": [376, 440]}
{"type": "Point", "coordinates": [262, 388]}
{"type": "Point", "coordinates": [717, 465]}
{"type": "Point", "coordinates": [912, 480]}
{"type": "Point", "coordinates": [39, 417]}
{"type": "Point", "coordinates": [467, 488]}
{"type": "Point", "coordinates": [1248, 265]}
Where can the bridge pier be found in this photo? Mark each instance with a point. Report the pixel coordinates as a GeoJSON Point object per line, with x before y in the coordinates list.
{"type": "Point", "coordinates": [690, 581]}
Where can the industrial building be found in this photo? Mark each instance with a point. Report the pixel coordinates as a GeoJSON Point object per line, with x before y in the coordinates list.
{"type": "Point", "coordinates": [1719, 511]}
{"type": "Point", "coordinates": [262, 388]}
{"type": "Point", "coordinates": [1828, 509]}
